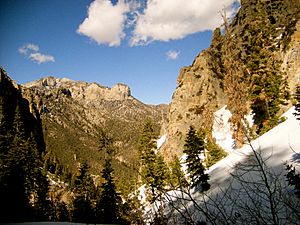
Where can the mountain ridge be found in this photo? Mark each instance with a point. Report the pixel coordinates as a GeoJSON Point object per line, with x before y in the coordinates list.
{"type": "Point", "coordinates": [74, 117]}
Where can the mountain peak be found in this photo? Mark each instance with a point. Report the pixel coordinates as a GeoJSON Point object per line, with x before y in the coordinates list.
{"type": "Point", "coordinates": [82, 90]}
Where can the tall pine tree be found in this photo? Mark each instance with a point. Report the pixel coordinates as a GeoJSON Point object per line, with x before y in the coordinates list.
{"type": "Point", "coordinates": [109, 206]}
{"type": "Point", "coordinates": [154, 171]}
{"type": "Point", "coordinates": [194, 147]}
{"type": "Point", "coordinates": [84, 192]}
{"type": "Point", "coordinates": [109, 202]}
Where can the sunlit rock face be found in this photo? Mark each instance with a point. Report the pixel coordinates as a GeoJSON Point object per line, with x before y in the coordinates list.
{"type": "Point", "coordinates": [200, 86]}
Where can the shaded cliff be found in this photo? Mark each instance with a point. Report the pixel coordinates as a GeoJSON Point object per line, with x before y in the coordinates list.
{"type": "Point", "coordinates": [18, 118]}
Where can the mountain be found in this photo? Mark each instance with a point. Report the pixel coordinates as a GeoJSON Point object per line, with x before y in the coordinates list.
{"type": "Point", "coordinates": [250, 67]}
{"type": "Point", "coordinates": [249, 186]}
{"type": "Point", "coordinates": [75, 116]}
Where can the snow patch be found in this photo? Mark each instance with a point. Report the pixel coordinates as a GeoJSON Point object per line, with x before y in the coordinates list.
{"type": "Point", "coordinates": [161, 141]}
{"type": "Point", "coordinates": [281, 144]}
{"type": "Point", "coordinates": [222, 130]}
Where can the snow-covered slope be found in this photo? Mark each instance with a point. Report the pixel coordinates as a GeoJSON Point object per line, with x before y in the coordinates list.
{"type": "Point", "coordinates": [244, 191]}
{"type": "Point", "coordinates": [279, 145]}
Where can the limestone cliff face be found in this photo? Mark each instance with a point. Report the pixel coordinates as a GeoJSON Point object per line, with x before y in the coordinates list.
{"type": "Point", "coordinates": [200, 87]}
{"type": "Point", "coordinates": [83, 91]}
{"type": "Point", "coordinates": [198, 94]}
{"type": "Point", "coordinates": [291, 60]}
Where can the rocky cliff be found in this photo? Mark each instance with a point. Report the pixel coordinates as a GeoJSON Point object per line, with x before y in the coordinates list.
{"type": "Point", "coordinates": [260, 25]}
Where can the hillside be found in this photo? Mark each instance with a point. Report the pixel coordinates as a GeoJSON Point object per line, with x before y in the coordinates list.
{"type": "Point", "coordinates": [250, 67]}
{"type": "Point", "coordinates": [82, 152]}
{"type": "Point", "coordinates": [74, 116]}
{"type": "Point", "coordinates": [246, 183]}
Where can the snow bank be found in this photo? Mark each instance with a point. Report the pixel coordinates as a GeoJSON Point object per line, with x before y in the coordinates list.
{"type": "Point", "coordinates": [280, 145]}
{"type": "Point", "coordinates": [161, 141]}
{"type": "Point", "coordinates": [221, 129]}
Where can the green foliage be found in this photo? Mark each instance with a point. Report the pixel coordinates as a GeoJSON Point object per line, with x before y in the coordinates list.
{"type": "Point", "coordinates": [297, 104]}
{"type": "Point", "coordinates": [153, 168]}
{"type": "Point", "coordinates": [84, 195]}
{"type": "Point", "coordinates": [177, 178]}
{"type": "Point", "coordinates": [23, 187]}
{"type": "Point", "coordinates": [214, 153]}
{"type": "Point", "coordinates": [109, 202]}
{"type": "Point", "coordinates": [293, 179]}
{"type": "Point", "coordinates": [268, 88]}
{"type": "Point", "coordinates": [194, 147]}
{"type": "Point", "coordinates": [133, 211]}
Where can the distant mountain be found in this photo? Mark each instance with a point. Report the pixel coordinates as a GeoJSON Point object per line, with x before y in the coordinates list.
{"type": "Point", "coordinates": [75, 115]}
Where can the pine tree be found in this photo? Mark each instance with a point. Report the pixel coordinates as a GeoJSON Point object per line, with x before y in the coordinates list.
{"type": "Point", "coordinates": [194, 147]}
{"type": "Point", "coordinates": [24, 188]}
{"type": "Point", "coordinates": [84, 195]}
{"type": "Point", "coordinates": [109, 201]}
{"type": "Point", "coordinates": [153, 168]}
{"type": "Point", "coordinates": [293, 179]}
{"type": "Point", "coordinates": [177, 178]}
{"type": "Point", "coordinates": [297, 104]}
{"type": "Point", "coordinates": [214, 153]}
{"type": "Point", "coordinates": [268, 89]}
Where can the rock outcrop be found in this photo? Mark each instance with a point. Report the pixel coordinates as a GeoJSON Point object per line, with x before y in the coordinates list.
{"type": "Point", "coordinates": [198, 94]}
{"type": "Point", "coordinates": [200, 87]}
{"type": "Point", "coordinates": [83, 91]}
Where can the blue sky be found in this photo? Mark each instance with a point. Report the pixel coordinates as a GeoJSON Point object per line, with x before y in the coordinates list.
{"type": "Point", "coordinates": [139, 43]}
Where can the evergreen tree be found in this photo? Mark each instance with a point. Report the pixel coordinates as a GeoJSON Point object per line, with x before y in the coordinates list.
{"type": "Point", "coordinates": [268, 88]}
{"type": "Point", "coordinates": [214, 153]}
{"type": "Point", "coordinates": [293, 179]}
{"type": "Point", "coordinates": [61, 212]}
{"type": "Point", "coordinates": [24, 188]}
{"type": "Point", "coordinates": [177, 178]}
{"type": "Point", "coordinates": [109, 202]}
{"type": "Point", "coordinates": [109, 206]}
{"type": "Point", "coordinates": [154, 171]}
{"type": "Point", "coordinates": [194, 147]}
{"type": "Point", "coordinates": [84, 192]}
{"type": "Point", "coordinates": [297, 104]}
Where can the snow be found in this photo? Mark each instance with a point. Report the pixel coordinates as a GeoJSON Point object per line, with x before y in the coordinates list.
{"type": "Point", "coordinates": [161, 141]}
{"type": "Point", "coordinates": [278, 146]}
{"type": "Point", "coordinates": [222, 129]}
{"type": "Point", "coordinates": [277, 143]}
{"type": "Point", "coordinates": [142, 197]}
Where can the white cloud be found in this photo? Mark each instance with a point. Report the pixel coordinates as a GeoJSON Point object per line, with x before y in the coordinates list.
{"type": "Point", "coordinates": [31, 51]}
{"type": "Point", "coordinates": [171, 54]}
{"type": "Point", "coordinates": [165, 20]}
{"type": "Point", "coordinates": [41, 58]}
{"type": "Point", "coordinates": [105, 22]}
{"type": "Point", "coordinates": [28, 47]}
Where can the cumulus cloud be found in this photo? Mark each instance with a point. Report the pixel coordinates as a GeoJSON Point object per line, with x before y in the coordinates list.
{"type": "Point", "coordinates": [172, 55]}
{"type": "Point", "coordinates": [41, 58]}
{"type": "Point", "coordinates": [31, 51]}
{"type": "Point", "coordinates": [105, 22]}
{"type": "Point", "coordinates": [165, 20]}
